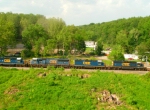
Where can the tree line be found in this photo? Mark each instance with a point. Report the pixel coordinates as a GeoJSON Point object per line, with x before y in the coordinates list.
{"type": "Point", "coordinates": [40, 35]}
{"type": "Point", "coordinates": [130, 35]}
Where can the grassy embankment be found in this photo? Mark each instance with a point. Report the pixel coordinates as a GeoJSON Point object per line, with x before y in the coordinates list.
{"type": "Point", "coordinates": [56, 89]}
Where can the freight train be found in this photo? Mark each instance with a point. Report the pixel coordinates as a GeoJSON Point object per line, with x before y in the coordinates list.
{"type": "Point", "coordinates": [76, 63]}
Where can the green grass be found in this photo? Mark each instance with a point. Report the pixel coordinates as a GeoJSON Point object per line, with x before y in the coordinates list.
{"type": "Point", "coordinates": [66, 90]}
{"type": "Point", "coordinates": [108, 62]}
{"type": "Point", "coordinates": [88, 49]}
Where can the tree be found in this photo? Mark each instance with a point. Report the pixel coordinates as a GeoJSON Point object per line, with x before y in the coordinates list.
{"type": "Point", "coordinates": [71, 39]}
{"type": "Point", "coordinates": [50, 46]}
{"type": "Point", "coordinates": [53, 27]}
{"type": "Point", "coordinates": [81, 44]}
{"type": "Point", "coordinates": [43, 22]}
{"type": "Point", "coordinates": [7, 35]}
{"type": "Point", "coordinates": [39, 46]}
{"type": "Point", "coordinates": [116, 53]}
{"type": "Point", "coordinates": [99, 48]}
{"type": "Point", "coordinates": [34, 37]}
{"type": "Point", "coordinates": [144, 49]}
{"type": "Point", "coordinates": [122, 40]}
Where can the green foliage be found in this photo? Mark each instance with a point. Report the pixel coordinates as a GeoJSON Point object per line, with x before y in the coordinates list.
{"type": "Point", "coordinates": [50, 67]}
{"type": "Point", "coordinates": [116, 54]}
{"type": "Point", "coordinates": [34, 34]}
{"type": "Point", "coordinates": [27, 53]}
{"type": "Point", "coordinates": [71, 40]}
{"type": "Point", "coordinates": [131, 34]}
{"type": "Point", "coordinates": [80, 44]}
{"type": "Point", "coordinates": [7, 34]}
{"type": "Point", "coordinates": [108, 62]}
{"type": "Point", "coordinates": [130, 87]}
{"type": "Point", "coordinates": [99, 48]}
{"type": "Point", "coordinates": [23, 89]}
{"type": "Point", "coordinates": [88, 50]}
{"type": "Point", "coordinates": [143, 49]}
{"type": "Point", "coordinates": [122, 40]}
{"type": "Point", "coordinates": [50, 46]}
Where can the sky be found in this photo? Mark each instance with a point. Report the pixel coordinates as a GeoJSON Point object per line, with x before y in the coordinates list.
{"type": "Point", "coordinates": [79, 12]}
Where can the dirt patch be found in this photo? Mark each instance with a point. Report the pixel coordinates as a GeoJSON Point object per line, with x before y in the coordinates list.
{"type": "Point", "coordinates": [40, 75]}
{"type": "Point", "coordinates": [107, 100]}
{"type": "Point", "coordinates": [82, 76]}
{"type": "Point", "coordinates": [11, 90]}
{"type": "Point", "coordinates": [107, 97]}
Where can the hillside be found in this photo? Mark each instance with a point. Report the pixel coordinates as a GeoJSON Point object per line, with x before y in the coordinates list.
{"type": "Point", "coordinates": [54, 89]}
{"type": "Point", "coordinates": [41, 35]}
{"type": "Point", "coordinates": [132, 34]}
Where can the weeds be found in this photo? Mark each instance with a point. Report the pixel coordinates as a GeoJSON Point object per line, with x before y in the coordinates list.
{"type": "Point", "coordinates": [23, 89]}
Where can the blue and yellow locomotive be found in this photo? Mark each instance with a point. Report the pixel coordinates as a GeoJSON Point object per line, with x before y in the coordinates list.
{"type": "Point", "coordinates": [128, 65]}
{"type": "Point", "coordinates": [75, 63]}
{"type": "Point", "coordinates": [12, 61]}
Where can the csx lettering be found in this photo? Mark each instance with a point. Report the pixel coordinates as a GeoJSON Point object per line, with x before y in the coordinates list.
{"type": "Point", "coordinates": [53, 62]}
{"type": "Point", "coordinates": [6, 60]}
{"type": "Point", "coordinates": [87, 63]}
{"type": "Point", "coordinates": [125, 64]}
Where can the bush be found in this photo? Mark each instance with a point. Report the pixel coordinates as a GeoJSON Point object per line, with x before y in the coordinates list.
{"type": "Point", "coordinates": [27, 53]}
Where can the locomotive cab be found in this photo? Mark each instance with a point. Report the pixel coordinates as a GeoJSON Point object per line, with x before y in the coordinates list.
{"type": "Point", "coordinates": [101, 63]}
{"type": "Point", "coordinates": [34, 62]}
{"type": "Point", "coordinates": [139, 64]}
{"type": "Point", "coordinates": [20, 61]}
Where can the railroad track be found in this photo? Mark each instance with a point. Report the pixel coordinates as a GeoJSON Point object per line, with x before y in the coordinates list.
{"type": "Point", "coordinates": [89, 70]}
{"type": "Point", "coordinates": [82, 67]}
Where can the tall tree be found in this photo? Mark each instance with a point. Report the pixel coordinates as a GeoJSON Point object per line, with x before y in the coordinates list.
{"type": "Point", "coordinates": [72, 39]}
{"type": "Point", "coordinates": [7, 35]}
{"type": "Point", "coordinates": [34, 35]}
{"type": "Point", "coordinates": [117, 53]}
{"type": "Point", "coordinates": [99, 48]}
{"type": "Point", "coordinates": [54, 26]}
{"type": "Point", "coordinates": [80, 47]}
{"type": "Point", "coordinates": [122, 39]}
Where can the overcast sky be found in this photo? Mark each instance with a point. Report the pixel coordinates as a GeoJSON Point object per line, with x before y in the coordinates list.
{"type": "Point", "coordinates": [79, 12]}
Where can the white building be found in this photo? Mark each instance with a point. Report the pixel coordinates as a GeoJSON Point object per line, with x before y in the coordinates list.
{"type": "Point", "coordinates": [91, 44]}
{"type": "Point", "coordinates": [131, 56]}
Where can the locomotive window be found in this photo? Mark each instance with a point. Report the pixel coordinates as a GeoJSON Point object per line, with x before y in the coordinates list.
{"type": "Point", "coordinates": [125, 64]}
{"type": "Point", "coordinates": [139, 64]}
{"type": "Point", "coordinates": [99, 63]}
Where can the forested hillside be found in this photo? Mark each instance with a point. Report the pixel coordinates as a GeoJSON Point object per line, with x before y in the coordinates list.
{"type": "Point", "coordinates": [131, 34]}
{"type": "Point", "coordinates": [39, 34]}
{"type": "Point", "coordinates": [42, 35]}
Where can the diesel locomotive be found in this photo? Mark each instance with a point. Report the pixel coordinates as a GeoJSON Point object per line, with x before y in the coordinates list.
{"type": "Point", "coordinates": [76, 63]}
